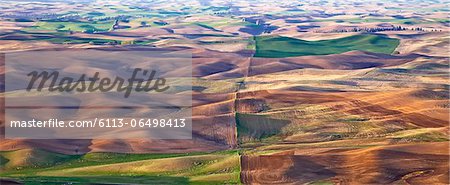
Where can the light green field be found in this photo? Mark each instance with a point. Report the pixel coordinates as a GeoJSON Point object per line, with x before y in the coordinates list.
{"type": "Point", "coordinates": [62, 37]}
{"type": "Point", "coordinates": [408, 21]}
{"type": "Point", "coordinates": [278, 46]}
{"type": "Point", "coordinates": [219, 24]}
{"type": "Point", "coordinates": [89, 27]}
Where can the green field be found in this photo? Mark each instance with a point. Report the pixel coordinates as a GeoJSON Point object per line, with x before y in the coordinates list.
{"type": "Point", "coordinates": [33, 166]}
{"type": "Point", "coordinates": [88, 180]}
{"type": "Point", "coordinates": [278, 46]}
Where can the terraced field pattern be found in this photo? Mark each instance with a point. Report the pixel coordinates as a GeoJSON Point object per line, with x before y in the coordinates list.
{"type": "Point", "coordinates": [284, 92]}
